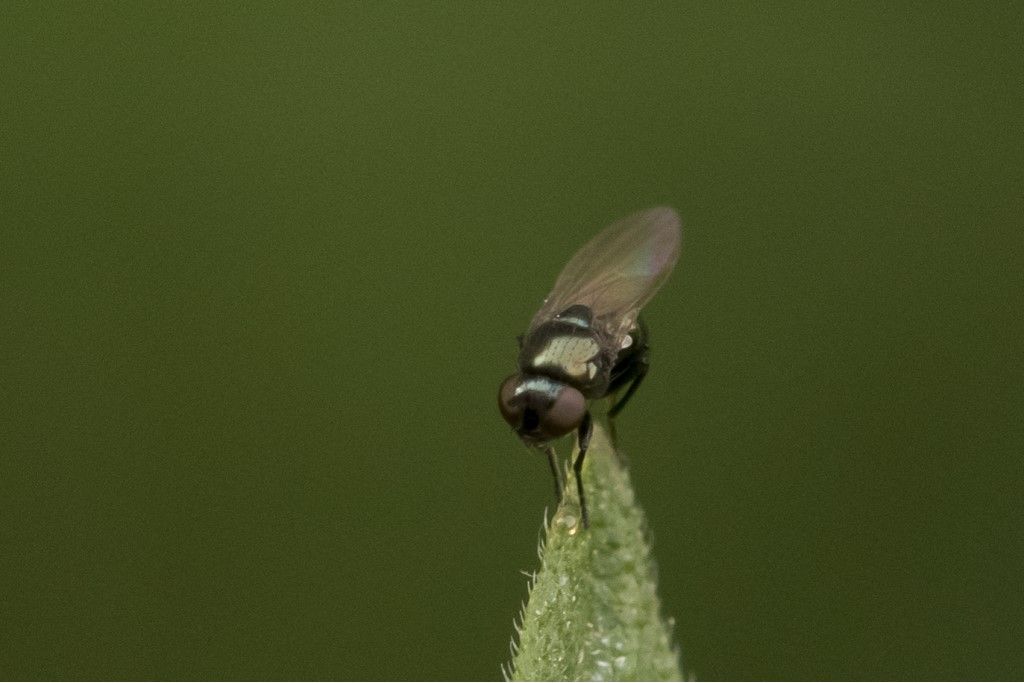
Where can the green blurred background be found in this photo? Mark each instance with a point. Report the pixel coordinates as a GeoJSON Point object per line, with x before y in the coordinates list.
{"type": "Point", "coordinates": [262, 270]}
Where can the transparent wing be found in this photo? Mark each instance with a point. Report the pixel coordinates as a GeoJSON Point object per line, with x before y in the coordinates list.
{"type": "Point", "coordinates": [617, 272]}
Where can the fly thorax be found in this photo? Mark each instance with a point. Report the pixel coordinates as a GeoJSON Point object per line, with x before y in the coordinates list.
{"type": "Point", "coordinates": [567, 352]}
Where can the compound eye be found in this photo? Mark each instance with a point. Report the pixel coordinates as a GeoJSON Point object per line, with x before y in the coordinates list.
{"type": "Point", "coordinates": [565, 413]}
{"type": "Point", "coordinates": [511, 410]}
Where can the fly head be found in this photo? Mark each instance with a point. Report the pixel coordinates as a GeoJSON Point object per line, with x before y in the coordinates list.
{"type": "Point", "coordinates": [539, 408]}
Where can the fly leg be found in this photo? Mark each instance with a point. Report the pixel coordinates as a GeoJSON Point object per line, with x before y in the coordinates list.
{"type": "Point", "coordinates": [553, 464]}
{"type": "Point", "coordinates": [635, 374]}
{"type": "Point", "coordinates": [638, 371]}
{"type": "Point", "coordinates": [585, 430]}
{"type": "Point", "coordinates": [630, 368]}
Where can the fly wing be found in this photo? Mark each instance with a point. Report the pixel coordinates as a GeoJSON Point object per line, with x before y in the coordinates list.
{"type": "Point", "coordinates": [617, 272]}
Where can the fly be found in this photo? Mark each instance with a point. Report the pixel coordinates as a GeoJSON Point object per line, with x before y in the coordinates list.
{"type": "Point", "coordinates": [587, 341]}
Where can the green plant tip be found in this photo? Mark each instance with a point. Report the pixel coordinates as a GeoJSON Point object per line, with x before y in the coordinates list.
{"type": "Point", "coordinates": [593, 611]}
